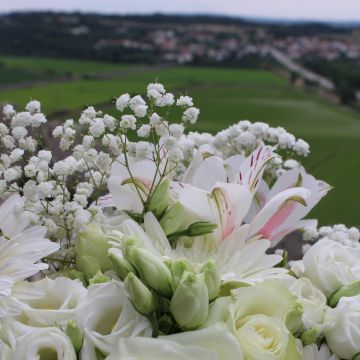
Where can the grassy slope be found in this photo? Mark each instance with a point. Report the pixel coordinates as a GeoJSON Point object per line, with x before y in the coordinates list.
{"type": "Point", "coordinates": [59, 66]}
{"type": "Point", "coordinates": [226, 96]}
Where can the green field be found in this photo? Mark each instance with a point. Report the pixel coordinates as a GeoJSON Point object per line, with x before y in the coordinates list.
{"type": "Point", "coordinates": [224, 97]}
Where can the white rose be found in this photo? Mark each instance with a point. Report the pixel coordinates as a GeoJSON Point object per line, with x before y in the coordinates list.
{"type": "Point", "coordinates": [50, 302]}
{"type": "Point", "coordinates": [313, 302]}
{"type": "Point", "coordinates": [105, 317]}
{"type": "Point", "coordinates": [262, 338]}
{"type": "Point", "coordinates": [329, 265]}
{"type": "Point", "coordinates": [343, 327]}
{"type": "Point", "coordinates": [263, 317]}
{"type": "Point", "coordinates": [44, 343]}
{"type": "Point", "coordinates": [212, 343]}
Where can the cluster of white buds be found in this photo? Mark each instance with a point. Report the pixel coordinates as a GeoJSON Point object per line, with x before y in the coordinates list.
{"type": "Point", "coordinates": [95, 142]}
{"type": "Point", "coordinates": [243, 138]}
{"type": "Point", "coordinates": [340, 233]}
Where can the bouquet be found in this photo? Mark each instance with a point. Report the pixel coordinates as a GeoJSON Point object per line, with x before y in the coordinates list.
{"type": "Point", "coordinates": [136, 238]}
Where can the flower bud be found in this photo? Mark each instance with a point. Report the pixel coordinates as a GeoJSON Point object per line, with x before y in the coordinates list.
{"type": "Point", "coordinates": [310, 336]}
{"type": "Point", "coordinates": [294, 318]}
{"type": "Point", "coordinates": [140, 296]}
{"type": "Point", "coordinates": [178, 267]}
{"type": "Point", "coordinates": [152, 271]}
{"type": "Point", "coordinates": [166, 324]}
{"type": "Point", "coordinates": [129, 245]}
{"type": "Point", "coordinates": [172, 220]}
{"type": "Point", "coordinates": [92, 242]}
{"type": "Point", "coordinates": [349, 290]}
{"type": "Point", "coordinates": [98, 278]}
{"type": "Point", "coordinates": [212, 279]}
{"type": "Point", "coordinates": [74, 274]}
{"type": "Point", "coordinates": [189, 304]}
{"type": "Point", "coordinates": [74, 333]}
{"type": "Point", "coordinates": [159, 200]}
{"type": "Point", "coordinates": [88, 265]}
{"type": "Point", "coordinates": [200, 228]}
{"type": "Point", "coordinates": [120, 265]}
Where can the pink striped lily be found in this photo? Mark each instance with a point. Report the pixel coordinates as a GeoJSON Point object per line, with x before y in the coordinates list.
{"type": "Point", "coordinates": [285, 204]}
{"type": "Point", "coordinates": [224, 205]}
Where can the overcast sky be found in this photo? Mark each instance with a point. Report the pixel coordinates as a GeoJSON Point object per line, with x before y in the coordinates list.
{"type": "Point", "coordinates": [281, 9]}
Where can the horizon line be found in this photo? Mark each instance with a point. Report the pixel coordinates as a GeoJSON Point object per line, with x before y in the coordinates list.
{"type": "Point", "coordinates": [186, 14]}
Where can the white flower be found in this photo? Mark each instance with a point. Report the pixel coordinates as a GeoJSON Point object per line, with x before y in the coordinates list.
{"type": "Point", "coordinates": [19, 132]}
{"type": "Point", "coordinates": [58, 131]}
{"type": "Point", "coordinates": [11, 174]}
{"type": "Point", "coordinates": [191, 115]}
{"type": "Point", "coordinates": [302, 147]}
{"type": "Point", "coordinates": [90, 112]}
{"type": "Point", "coordinates": [122, 102]}
{"type": "Point", "coordinates": [33, 106]}
{"type": "Point", "coordinates": [38, 119]}
{"type": "Point", "coordinates": [44, 189]}
{"type": "Point", "coordinates": [311, 352]}
{"type": "Point", "coordinates": [175, 155]}
{"type": "Point", "coordinates": [19, 259]}
{"type": "Point", "coordinates": [157, 87]}
{"type": "Point", "coordinates": [155, 119]}
{"type": "Point", "coordinates": [45, 155]}
{"type": "Point", "coordinates": [21, 119]}
{"type": "Point", "coordinates": [50, 302]}
{"type": "Point", "coordinates": [153, 94]}
{"type": "Point", "coordinates": [97, 127]}
{"type": "Point", "coordinates": [88, 141]}
{"type": "Point", "coordinates": [16, 154]}
{"type": "Point", "coordinates": [105, 317]}
{"type": "Point", "coordinates": [8, 141]}
{"type": "Point", "coordinates": [329, 264]}
{"type": "Point", "coordinates": [109, 122]}
{"type": "Point", "coordinates": [3, 129]}
{"type": "Point", "coordinates": [136, 101]}
{"type": "Point", "coordinates": [142, 150]}
{"type": "Point", "coordinates": [263, 337]}
{"type": "Point", "coordinates": [235, 259]}
{"type": "Point", "coordinates": [184, 101]}
{"type": "Point", "coordinates": [30, 170]}
{"type": "Point", "coordinates": [343, 331]}
{"type": "Point", "coordinates": [291, 164]}
{"type": "Point", "coordinates": [313, 302]}
{"type": "Point", "coordinates": [176, 130]}
{"type": "Point", "coordinates": [260, 321]}
{"type": "Point", "coordinates": [212, 343]}
{"type": "Point", "coordinates": [165, 100]}
{"type": "Point", "coordinates": [8, 111]}
{"type": "Point", "coordinates": [30, 190]}
{"type": "Point", "coordinates": [140, 111]}
{"type": "Point", "coordinates": [144, 131]}
{"type": "Point", "coordinates": [47, 343]}
{"type": "Point", "coordinates": [128, 122]}
{"type": "Point", "coordinates": [103, 162]}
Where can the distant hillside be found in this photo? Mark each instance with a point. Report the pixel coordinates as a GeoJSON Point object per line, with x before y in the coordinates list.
{"type": "Point", "coordinates": [136, 38]}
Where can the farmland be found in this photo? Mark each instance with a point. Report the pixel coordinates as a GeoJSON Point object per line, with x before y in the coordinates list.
{"type": "Point", "coordinates": [224, 97]}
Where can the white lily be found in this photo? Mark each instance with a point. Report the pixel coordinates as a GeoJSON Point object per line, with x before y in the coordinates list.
{"type": "Point", "coordinates": [275, 214]}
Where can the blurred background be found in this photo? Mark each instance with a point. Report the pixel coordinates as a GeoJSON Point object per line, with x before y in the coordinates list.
{"type": "Point", "coordinates": [289, 64]}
